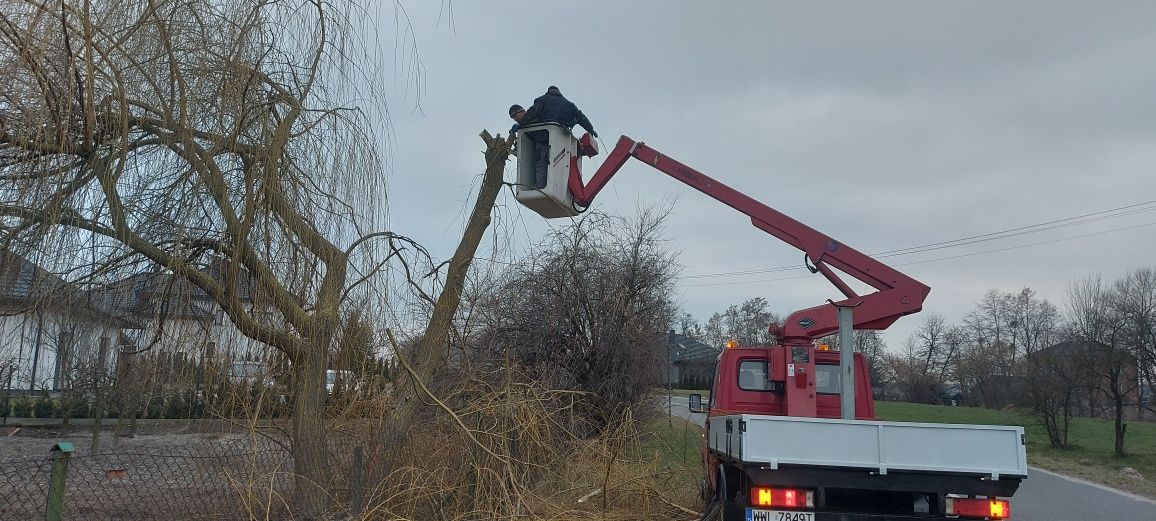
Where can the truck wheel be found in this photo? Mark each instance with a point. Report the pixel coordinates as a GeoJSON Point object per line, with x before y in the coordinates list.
{"type": "Point", "coordinates": [728, 497]}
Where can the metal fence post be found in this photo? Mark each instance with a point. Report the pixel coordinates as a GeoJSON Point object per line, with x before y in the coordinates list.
{"type": "Point", "coordinates": [61, 454]}
{"type": "Point", "coordinates": [357, 483]}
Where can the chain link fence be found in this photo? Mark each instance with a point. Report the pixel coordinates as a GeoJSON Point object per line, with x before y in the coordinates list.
{"type": "Point", "coordinates": [234, 477]}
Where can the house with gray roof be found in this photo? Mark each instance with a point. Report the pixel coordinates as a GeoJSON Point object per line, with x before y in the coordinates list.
{"type": "Point", "coordinates": [691, 363]}
{"type": "Point", "coordinates": [50, 330]}
{"type": "Point", "coordinates": [183, 324]}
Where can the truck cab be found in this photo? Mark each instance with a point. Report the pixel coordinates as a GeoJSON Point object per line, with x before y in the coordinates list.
{"type": "Point", "coordinates": [764, 380]}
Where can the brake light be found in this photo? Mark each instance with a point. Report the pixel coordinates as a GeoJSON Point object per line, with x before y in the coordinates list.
{"type": "Point", "coordinates": [782, 497]}
{"type": "Point", "coordinates": [979, 508]}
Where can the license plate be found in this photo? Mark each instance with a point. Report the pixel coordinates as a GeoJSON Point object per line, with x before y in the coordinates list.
{"type": "Point", "coordinates": [755, 514]}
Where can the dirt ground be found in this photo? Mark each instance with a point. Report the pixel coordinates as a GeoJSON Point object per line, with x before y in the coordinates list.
{"type": "Point", "coordinates": [182, 470]}
{"type": "Point", "coordinates": [171, 437]}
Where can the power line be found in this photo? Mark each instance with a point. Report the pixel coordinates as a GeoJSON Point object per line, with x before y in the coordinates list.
{"type": "Point", "coordinates": [1023, 232]}
{"type": "Point", "coordinates": [975, 239]}
{"type": "Point", "coordinates": [1062, 239]}
{"type": "Point", "coordinates": [1121, 211]}
{"type": "Point", "coordinates": [939, 259]}
{"type": "Point", "coordinates": [1021, 228]}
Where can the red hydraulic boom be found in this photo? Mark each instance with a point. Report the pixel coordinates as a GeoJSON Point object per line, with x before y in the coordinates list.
{"type": "Point", "coordinates": [896, 294]}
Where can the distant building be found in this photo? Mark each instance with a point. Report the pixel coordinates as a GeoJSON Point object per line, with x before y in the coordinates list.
{"type": "Point", "coordinates": [50, 330]}
{"type": "Point", "coordinates": [53, 335]}
{"type": "Point", "coordinates": [185, 325]}
{"type": "Point", "coordinates": [691, 363]}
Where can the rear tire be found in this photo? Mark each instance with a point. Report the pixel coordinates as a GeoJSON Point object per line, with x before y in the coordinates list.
{"type": "Point", "coordinates": [727, 501]}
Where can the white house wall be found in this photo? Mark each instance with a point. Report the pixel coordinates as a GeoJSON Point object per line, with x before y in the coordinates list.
{"type": "Point", "coordinates": [235, 346]}
{"type": "Point", "coordinates": [194, 338]}
{"type": "Point", "coordinates": [29, 342]}
{"type": "Point", "coordinates": [171, 335]}
{"type": "Point", "coordinates": [18, 349]}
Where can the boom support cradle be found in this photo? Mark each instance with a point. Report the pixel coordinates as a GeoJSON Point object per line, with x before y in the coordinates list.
{"type": "Point", "coordinates": [896, 294]}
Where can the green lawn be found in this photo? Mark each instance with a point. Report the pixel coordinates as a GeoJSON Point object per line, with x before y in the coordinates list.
{"type": "Point", "coordinates": [1090, 456]}
{"type": "Point", "coordinates": [676, 445]}
{"type": "Point", "coordinates": [686, 392]}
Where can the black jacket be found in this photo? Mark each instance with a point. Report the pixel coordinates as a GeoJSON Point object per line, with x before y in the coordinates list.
{"type": "Point", "coordinates": [555, 108]}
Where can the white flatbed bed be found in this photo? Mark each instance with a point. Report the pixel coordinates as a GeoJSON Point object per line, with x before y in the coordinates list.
{"type": "Point", "coordinates": [877, 446]}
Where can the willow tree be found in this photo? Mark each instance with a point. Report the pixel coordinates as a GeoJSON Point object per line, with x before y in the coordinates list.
{"type": "Point", "coordinates": [215, 139]}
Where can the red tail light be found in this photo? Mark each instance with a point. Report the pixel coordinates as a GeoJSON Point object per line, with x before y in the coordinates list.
{"type": "Point", "coordinates": [782, 497]}
{"type": "Point", "coordinates": [979, 508]}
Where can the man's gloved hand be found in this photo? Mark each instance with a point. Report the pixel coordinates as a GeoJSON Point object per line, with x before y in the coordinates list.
{"type": "Point", "coordinates": [593, 133]}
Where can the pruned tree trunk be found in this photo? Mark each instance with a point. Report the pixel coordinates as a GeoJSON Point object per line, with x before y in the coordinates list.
{"type": "Point", "coordinates": [309, 440]}
{"type": "Point", "coordinates": [429, 354]}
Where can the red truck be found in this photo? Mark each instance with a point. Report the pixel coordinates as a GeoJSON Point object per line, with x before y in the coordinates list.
{"type": "Point", "coordinates": [791, 433]}
{"type": "Point", "coordinates": [764, 460]}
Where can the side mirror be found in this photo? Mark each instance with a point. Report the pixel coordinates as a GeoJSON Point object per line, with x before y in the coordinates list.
{"type": "Point", "coordinates": [696, 403]}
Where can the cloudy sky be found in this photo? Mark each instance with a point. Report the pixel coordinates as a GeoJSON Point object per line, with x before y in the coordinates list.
{"type": "Point", "coordinates": [886, 125]}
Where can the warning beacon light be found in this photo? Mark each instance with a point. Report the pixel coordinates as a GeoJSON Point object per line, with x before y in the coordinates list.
{"type": "Point", "coordinates": [563, 156]}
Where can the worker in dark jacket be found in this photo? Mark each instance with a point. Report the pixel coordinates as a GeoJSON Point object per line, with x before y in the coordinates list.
{"type": "Point", "coordinates": [517, 113]}
{"type": "Point", "coordinates": [551, 107]}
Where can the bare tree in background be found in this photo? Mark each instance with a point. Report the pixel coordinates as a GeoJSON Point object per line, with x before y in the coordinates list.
{"type": "Point", "coordinates": [990, 324]}
{"type": "Point", "coordinates": [689, 327]}
{"type": "Point", "coordinates": [981, 375]}
{"type": "Point", "coordinates": [920, 372]}
{"type": "Point", "coordinates": [939, 345]}
{"type": "Point", "coordinates": [1052, 379]}
{"type": "Point", "coordinates": [1095, 317]}
{"type": "Point", "coordinates": [192, 134]}
{"type": "Point", "coordinates": [747, 323]}
{"type": "Point", "coordinates": [1035, 323]}
{"type": "Point", "coordinates": [755, 319]}
{"type": "Point", "coordinates": [1136, 304]}
{"type": "Point", "coordinates": [996, 335]}
{"type": "Point", "coordinates": [909, 375]}
{"type": "Point", "coordinates": [590, 311]}
{"type": "Point", "coordinates": [714, 333]}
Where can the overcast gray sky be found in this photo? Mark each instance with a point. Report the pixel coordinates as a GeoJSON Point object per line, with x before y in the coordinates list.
{"type": "Point", "coordinates": [885, 125]}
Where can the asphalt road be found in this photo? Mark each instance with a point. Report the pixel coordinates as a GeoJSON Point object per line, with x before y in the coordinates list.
{"type": "Point", "coordinates": [1044, 496]}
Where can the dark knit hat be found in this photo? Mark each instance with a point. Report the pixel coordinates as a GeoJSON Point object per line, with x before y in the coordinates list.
{"type": "Point", "coordinates": [515, 108]}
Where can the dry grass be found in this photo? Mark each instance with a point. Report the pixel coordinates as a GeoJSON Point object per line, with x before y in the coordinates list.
{"type": "Point", "coordinates": [492, 445]}
{"type": "Point", "coordinates": [502, 447]}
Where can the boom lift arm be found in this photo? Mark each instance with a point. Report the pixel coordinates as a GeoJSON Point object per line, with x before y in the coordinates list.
{"type": "Point", "coordinates": [896, 294]}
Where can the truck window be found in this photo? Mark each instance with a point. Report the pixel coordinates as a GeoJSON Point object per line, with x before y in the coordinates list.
{"type": "Point", "coordinates": [827, 379]}
{"type": "Point", "coordinates": [753, 375]}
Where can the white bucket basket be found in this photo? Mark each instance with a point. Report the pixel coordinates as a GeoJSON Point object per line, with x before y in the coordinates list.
{"type": "Point", "coordinates": [555, 199]}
